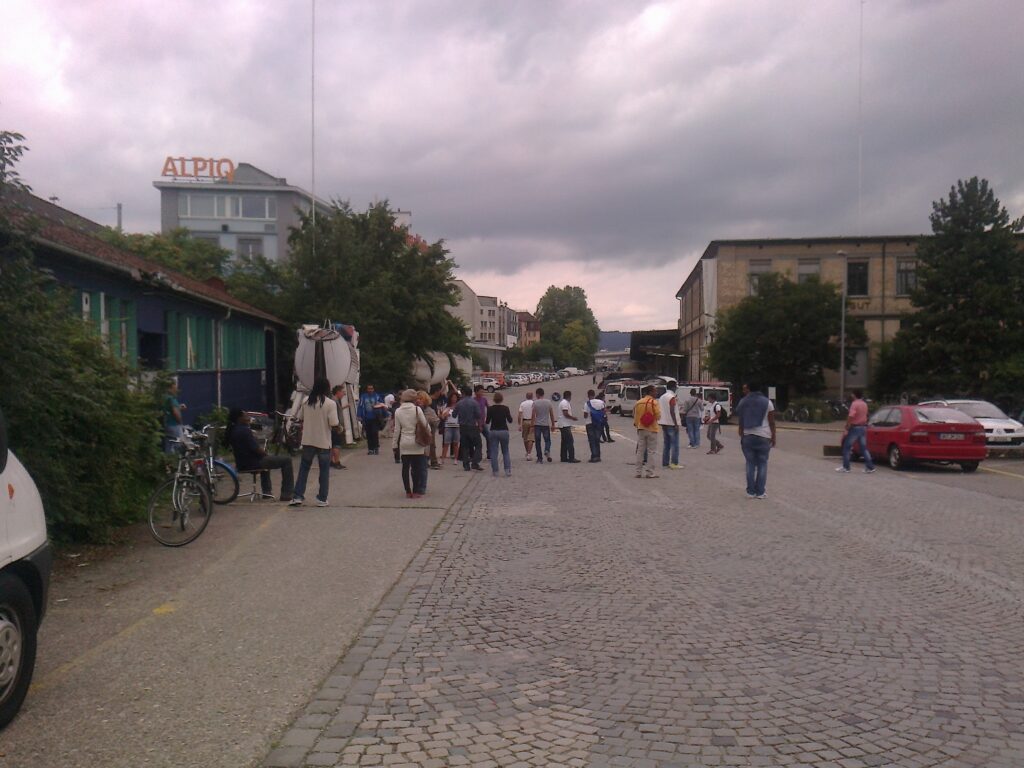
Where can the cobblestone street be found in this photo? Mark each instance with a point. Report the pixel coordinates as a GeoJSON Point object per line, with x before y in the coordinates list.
{"type": "Point", "coordinates": [573, 615]}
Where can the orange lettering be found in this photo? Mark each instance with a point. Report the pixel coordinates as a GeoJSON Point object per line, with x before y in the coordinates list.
{"type": "Point", "coordinates": [169, 169]}
{"type": "Point", "coordinates": [230, 175]}
{"type": "Point", "coordinates": [198, 166]}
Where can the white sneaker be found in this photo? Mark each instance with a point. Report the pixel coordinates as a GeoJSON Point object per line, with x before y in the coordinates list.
{"type": "Point", "coordinates": [842, 469]}
{"type": "Point", "coordinates": [761, 496]}
{"type": "Point", "coordinates": [295, 502]}
{"type": "Point", "coordinates": [868, 471]}
{"type": "Point", "coordinates": [321, 503]}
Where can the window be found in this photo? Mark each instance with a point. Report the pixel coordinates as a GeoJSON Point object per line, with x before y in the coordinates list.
{"type": "Point", "coordinates": [906, 276]}
{"type": "Point", "coordinates": [755, 269]}
{"type": "Point", "coordinates": [807, 268]}
{"type": "Point", "coordinates": [254, 207]}
{"type": "Point", "coordinates": [249, 247]}
{"type": "Point", "coordinates": [242, 346]}
{"type": "Point", "coordinates": [189, 342]}
{"type": "Point", "coordinates": [202, 206]}
{"type": "Point", "coordinates": [205, 205]}
{"type": "Point", "coordinates": [229, 206]}
{"type": "Point", "coordinates": [856, 278]}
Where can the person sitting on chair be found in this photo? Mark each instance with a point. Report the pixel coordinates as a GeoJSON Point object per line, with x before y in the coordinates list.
{"type": "Point", "coordinates": [250, 456]}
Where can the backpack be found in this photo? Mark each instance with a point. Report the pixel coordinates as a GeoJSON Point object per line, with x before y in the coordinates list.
{"type": "Point", "coordinates": [723, 415]}
{"type": "Point", "coordinates": [647, 417]}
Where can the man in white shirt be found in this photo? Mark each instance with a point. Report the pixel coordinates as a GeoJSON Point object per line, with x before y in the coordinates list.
{"type": "Point", "coordinates": [525, 421]}
{"type": "Point", "coordinates": [565, 422]}
{"type": "Point", "coordinates": [669, 423]}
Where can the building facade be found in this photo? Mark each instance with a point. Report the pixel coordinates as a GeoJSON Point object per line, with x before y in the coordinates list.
{"type": "Point", "coordinates": [878, 272]}
{"type": "Point", "coordinates": [221, 350]}
{"type": "Point", "coordinates": [249, 213]}
{"type": "Point", "coordinates": [529, 329]}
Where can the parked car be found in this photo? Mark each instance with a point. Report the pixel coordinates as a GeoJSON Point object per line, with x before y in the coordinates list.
{"type": "Point", "coordinates": [25, 562]}
{"type": "Point", "coordinates": [489, 384]}
{"type": "Point", "coordinates": [518, 379]}
{"type": "Point", "coordinates": [903, 434]}
{"type": "Point", "coordinates": [1000, 429]}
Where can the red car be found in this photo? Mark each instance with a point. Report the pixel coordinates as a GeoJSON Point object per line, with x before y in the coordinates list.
{"type": "Point", "coordinates": [908, 433]}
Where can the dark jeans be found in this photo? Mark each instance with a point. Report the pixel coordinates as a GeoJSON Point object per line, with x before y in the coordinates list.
{"type": "Point", "coordinates": [542, 440]}
{"type": "Point", "coordinates": [284, 463]}
{"type": "Point", "coordinates": [471, 450]}
{"type": "Point", "coordinates": [594, 439]}
{"type": "Point", "coordinates": [372, 429]}
{"type": "Point", "coordinates": [670, 444]}
{"type": "Point", "coordinates": [607, 431]}
{"type": "Point", "coordinates": [568, 447]}
{"type": "Point", "coordinates": [323, 458]}
{"type": "Point", "coordinates": [414, 473]}
{"type": "Point", "coordinates": [755, 451]}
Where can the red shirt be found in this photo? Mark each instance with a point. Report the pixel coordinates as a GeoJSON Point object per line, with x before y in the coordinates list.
{"type": "Point", "coordinates": [858, 413]}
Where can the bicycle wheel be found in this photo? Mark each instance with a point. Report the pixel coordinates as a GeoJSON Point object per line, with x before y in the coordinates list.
{"type": "Point", "coordinates": [224, 482]}
{"type": "Point", "coordinates": [803, 415]}
{"type": "Point", "coordinates": [179, 510]}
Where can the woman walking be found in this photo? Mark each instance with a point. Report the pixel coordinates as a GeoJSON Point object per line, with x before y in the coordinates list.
{"type": "Point", "coordinates": [498, 419]}
{"type": "Point", "coordinates": [319, 417]}
{"type": "Point", "coordinates": [403, 441]}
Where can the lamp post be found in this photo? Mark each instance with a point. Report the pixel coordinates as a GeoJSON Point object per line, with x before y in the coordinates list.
{"type": "Point", "coordinates": [842, 335]}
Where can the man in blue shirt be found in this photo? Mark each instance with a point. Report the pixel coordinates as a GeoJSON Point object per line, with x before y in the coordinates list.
{"type": "Point", "coordinates": [369, 410]}
{"type": "Point", "coordinates": [755, 415]}
{"type": "Point", "coordinates": [468, 412]}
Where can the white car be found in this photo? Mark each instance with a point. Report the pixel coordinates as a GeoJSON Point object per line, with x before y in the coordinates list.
{"type": "Point", "coordinates": [518, 379]}
{"type": "Point", "coordinates": [25, 562]}
{"type": "Point", "coordinates": [1000, 429]}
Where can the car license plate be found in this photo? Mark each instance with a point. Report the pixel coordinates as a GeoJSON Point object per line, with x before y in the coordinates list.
{"type": "Point", "coordinates": [952, 436]}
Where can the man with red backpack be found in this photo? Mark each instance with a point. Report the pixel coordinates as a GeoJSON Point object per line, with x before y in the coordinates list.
{"type": "Point", "coordinates": [646, 414]}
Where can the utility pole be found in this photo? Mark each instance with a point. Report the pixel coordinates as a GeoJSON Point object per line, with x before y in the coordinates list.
{"type": "Point", "coordinates": [119, 212]}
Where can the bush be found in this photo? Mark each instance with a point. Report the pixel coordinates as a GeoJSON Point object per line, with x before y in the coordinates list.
{"type": "Point", "coordinates": [79, 421]}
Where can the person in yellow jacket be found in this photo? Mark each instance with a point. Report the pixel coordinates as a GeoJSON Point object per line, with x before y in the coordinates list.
{"type": "Point", "coordinates": [645, 419]}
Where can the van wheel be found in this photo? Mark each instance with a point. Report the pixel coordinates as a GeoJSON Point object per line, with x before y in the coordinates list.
{"type": "Point", "coordinates": [17, 645]}
{"type": "Point", "coordinates": [896, 460]}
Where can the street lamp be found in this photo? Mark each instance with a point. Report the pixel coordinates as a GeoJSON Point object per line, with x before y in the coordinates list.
{"type": "Point", "coordinates": [842, 335]}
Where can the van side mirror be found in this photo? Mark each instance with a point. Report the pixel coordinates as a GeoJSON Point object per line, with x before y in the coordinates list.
{"type": "Point", "coordinates": [3, 442]}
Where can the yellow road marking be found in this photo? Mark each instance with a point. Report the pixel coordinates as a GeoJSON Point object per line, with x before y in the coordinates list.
{"type": "Point", "coordinates": [1002, 472]}
{"type": "Point", "coordinates": [166, 608]}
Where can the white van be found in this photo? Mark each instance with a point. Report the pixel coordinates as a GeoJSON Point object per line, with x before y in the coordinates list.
{"type": "Point", "coordinates": [25, 561]}
{"type": "Point", "coordinates": [612, 392]}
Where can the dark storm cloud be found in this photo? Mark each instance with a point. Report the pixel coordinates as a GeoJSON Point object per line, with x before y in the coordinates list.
{"type": "Point", "coordinates": [520, 132]}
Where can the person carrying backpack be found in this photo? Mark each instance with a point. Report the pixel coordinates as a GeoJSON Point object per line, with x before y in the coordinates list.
{"type": "Point", "coordinates": [645, 418]}
{"type": "Point", "coordinates": [713, 419]}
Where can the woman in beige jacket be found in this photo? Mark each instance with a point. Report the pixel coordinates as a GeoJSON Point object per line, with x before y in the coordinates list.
{"type": "Point", "coordinates": [403, 441]}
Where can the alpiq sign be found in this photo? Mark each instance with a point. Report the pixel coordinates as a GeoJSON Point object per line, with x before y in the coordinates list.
{"type": "Point", "coordinates": [199, 168]}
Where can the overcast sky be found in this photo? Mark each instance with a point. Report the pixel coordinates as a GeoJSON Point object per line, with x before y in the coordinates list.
{"type": "Point", "coordinates": [601, 143]}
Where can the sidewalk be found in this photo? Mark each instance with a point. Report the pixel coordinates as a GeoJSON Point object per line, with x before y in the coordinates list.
{"type": "Point", "coordinates": [201, 655]}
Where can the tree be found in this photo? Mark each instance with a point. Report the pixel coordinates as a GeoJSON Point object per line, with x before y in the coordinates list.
{"type": "Point", "coordinates": [176, 250]}
{"type": "Point", "coordinates": [786, 335]}
{"type": "Point", "coordinates": [365, 269]}
{"type": "Point", "coordinates": [967, 334]}
{"type": "Point", "coordinates": [89, 439]}
{"type": "Point", "coordinates": [568, 328]}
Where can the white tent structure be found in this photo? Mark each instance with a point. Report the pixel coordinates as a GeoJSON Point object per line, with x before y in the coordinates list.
{"type": "Point", "coordinates": [332, 351]}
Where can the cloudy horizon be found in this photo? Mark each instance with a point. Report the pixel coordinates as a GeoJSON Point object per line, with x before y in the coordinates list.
{"type": "Point", "coordinates": [597, 144]}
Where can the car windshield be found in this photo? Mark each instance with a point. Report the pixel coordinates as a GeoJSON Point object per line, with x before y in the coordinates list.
{"type": "Point", "coordinates": [721, 395]}
{"type": "Point", "coordinates": [941, 416]}
{"type": "Point", "coordinates": [980, 410]}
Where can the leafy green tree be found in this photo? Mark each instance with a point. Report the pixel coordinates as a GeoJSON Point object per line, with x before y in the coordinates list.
{"type": "Point", "coordinates": [786, 335]}
{"type": "Point", "coordinates": [568, 328]}
{"type": "Point", "coordinates": [967, 334]}
{"type": "Point", "coordinates": [176, 250]}
{"type": "Point", "coordinates": [89, 439]}
{"type": "Point", "coordinates": [365, 269]}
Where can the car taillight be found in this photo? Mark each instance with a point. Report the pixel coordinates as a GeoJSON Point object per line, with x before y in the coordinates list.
{"type": "Point", "coordinates": [919, 437]}
{"type": "Point", "coordinates": [978, 437]}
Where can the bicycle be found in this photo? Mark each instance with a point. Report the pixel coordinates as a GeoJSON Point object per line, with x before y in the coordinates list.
{"type": "Point", "coordinates": [219, 476]}
{"type": "Point", "coordinates": [287, 434]}
{"type": "Point", "coordinates": [180, 508]}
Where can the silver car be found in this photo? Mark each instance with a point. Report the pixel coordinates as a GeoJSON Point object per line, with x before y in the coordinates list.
{"type": "Point", "coordinates": [1000, 429]}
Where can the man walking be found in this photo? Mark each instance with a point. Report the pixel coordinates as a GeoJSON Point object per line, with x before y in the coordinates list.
{"type": "Point", "coordinates": [691, 409]}
{"type": "Point", "coordinates": [369, 412]}
{"type": "Point", "coordinates": [669, 423]}
{"type": "Point", "coordinates": [596, 418]}
{"type": "Point", "coordinates": [525, 421]}
{"type": "Point", "coordinates": [480, 395]}
{"type": "Point", "coordinates": [756, 418]}
{"type": "Point", "coordinates": [543, 419]}
{"type": "Point", "coordinates": [856, 432]}
{"type": "Point", "coordinates": [567, 453]}
{"type": "Point", "coordinates": [468, 413]}
{"type": "Point", "coordinates": [646, 415]}
{"type": "Point", "coordinates": [714, 422]}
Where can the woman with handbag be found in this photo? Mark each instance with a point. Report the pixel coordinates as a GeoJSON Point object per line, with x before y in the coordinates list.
{"type": "Point", "coordinates": [411, 441]}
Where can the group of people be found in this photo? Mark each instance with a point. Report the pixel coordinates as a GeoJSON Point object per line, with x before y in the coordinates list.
{"type": "Point", "coordinates": [467, 422]}
{"type": "Point", "coordinates": [655, 415]}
